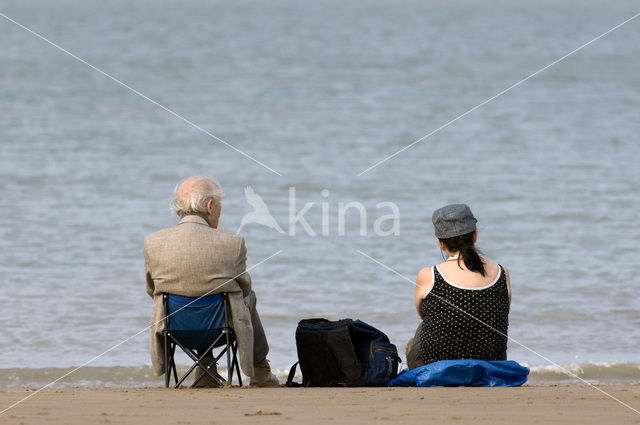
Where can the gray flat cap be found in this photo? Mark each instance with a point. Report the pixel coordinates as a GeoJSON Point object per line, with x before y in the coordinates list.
{"type": "Point", "coordinates": [453, 220]}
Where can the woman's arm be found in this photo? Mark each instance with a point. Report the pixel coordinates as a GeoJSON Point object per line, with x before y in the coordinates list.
{"type": "Point", "coordinates": [506, 273]}
{"type": "Point", "coordinates": [424, 283]}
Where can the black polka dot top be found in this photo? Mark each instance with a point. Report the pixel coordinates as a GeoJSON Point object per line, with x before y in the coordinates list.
{"type": "Point", "coordinates": [447, 333]}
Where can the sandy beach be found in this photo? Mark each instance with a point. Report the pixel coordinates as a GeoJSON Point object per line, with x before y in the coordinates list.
{"type": "Point", "coordinates": [524, 405]}
{"type": "Point", "coordinates": [335, 129]}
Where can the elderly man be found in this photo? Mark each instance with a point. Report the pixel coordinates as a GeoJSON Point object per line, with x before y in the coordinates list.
{"type": "Point", "coordinates": [194, 258]}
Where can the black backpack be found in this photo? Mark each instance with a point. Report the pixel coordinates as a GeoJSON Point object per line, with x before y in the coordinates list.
{"type": "Point", "coordinates": [347, 353]}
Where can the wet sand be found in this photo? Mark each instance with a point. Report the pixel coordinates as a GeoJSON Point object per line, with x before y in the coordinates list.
{"type": "Point", "coordinates": [525, 405]}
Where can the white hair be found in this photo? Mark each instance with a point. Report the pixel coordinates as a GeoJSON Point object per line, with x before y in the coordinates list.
{"type": "Point", "coordinates": [192, 194]}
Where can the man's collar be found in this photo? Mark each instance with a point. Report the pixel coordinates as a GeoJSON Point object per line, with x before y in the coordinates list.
{"type": "Point", "coordinates": [195, 218]}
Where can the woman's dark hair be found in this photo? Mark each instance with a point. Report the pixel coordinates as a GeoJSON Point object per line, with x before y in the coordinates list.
{"type": "Point", "coordinates": [470, 255]}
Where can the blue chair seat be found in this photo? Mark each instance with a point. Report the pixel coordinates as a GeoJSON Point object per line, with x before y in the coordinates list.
{"type": "Point", "coordinates": [197, 326]}
{"type": "Point", "coordinates": [186, 313]}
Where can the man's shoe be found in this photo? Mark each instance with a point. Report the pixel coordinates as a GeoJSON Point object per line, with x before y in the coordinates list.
{"type": "Point", "coordinates": [206, 381]}
{"type": "Point", "coordinates": [263, 377]}
{"type": "Point", "coordinates": [268, 382]}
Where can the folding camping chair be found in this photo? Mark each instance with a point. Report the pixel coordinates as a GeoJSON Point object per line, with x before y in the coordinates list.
{"type": "Point", "coordinates": [197, 326]}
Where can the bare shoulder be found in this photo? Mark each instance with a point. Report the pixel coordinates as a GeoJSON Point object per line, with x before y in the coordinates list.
{"type": "Point", "coordinates": [424, 275]}
{"type": "Point", "coordinates": [508, 278]}
{"type": "Point", "coordinates": [424, 281]}
{"type": "Point", "coordinates": [491, 267]}
{"type": "Point", "coordinates": [494, 266]}
{"type": "Point", "coordinates": [506, 273]}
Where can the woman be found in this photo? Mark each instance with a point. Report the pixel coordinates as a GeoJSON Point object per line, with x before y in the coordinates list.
{"type": "Point", "coordinates": [464, 301]}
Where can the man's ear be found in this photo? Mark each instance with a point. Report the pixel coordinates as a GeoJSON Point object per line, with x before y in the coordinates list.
{"type": "Point", "coordinates": [212, 206]}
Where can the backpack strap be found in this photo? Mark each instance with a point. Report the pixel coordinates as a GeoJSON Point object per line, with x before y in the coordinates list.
{"type": "Point", "coordinates": [292, 372]}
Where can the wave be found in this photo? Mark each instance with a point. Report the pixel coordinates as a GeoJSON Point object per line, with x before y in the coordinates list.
{"type": "Point", "coordinates": [142, 376]}
{"type": "Point", "coordinates": [592, 372]}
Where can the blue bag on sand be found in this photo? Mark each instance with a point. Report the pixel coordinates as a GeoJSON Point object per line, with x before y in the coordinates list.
{"type": "Point", "coordinates": [464, 372]}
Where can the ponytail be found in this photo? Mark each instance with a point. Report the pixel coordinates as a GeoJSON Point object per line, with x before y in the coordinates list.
{"type": "Point", "coordinates": [468, 252]}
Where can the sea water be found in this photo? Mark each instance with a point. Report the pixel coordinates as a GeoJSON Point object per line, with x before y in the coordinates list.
{"type": "Point", "coordinates": [319, 92]}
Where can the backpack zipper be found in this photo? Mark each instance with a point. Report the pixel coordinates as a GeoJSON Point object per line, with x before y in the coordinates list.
{"type": "Point", "coordinates": [380, 349]}
{"type": "Point", "coordinates": [390, 369]}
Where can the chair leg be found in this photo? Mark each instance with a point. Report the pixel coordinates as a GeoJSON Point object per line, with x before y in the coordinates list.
{"type": "Point", "coordinates": [170, 364]}
{"type": "Point", "coordinates": [230, 350]}
{"type": "Point", "coordinates": [173, 364]}
{"type": "Point", "coordinates": [229, 364]}
{"type": "Point", "coordinates": [190, 354]}
{"type": "Point", "coordinates": [235, 360]}
{"type": "Point", "coordinates": [167, 366]}
{"type": "Point", "coordinates": [208, 371]}
{"type": "Point", "coordinates": [198, 362]}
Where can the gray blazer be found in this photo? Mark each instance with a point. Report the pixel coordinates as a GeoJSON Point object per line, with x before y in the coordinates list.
{"type": "Point", "coordinates": [192, 259]}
